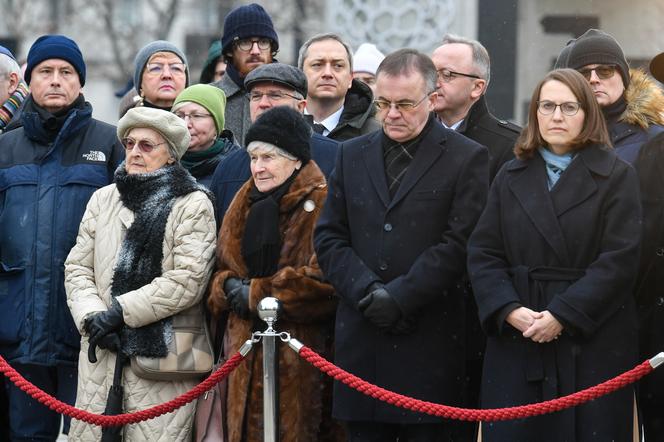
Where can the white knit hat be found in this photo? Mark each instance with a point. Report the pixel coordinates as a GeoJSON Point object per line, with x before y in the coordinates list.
{"type": "Point", "coordinates": [367, 58]}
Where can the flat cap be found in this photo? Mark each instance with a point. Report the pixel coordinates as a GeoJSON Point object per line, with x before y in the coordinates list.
{"type": "Point", "coordinates": [280, 73]}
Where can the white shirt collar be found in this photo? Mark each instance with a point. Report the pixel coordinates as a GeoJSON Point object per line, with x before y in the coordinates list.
{"type": "Point", "coordinates": [330, 122]}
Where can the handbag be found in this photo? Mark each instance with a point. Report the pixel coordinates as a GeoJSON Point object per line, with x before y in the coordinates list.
{"type": "Point", "coordinates": [210, 418]}
{"type": "Point", "coordinates": [190, 355]}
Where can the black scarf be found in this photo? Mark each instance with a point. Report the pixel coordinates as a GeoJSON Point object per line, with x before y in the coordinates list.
{"type": "Point", "coordinates": [146, 103]}
{"type": "Point", "coordinates": [52, 122]}
{"type": "Point", "coordinates": [261, 243]}
{"type": "Point", "coordinates": [613, 111]}
{"type": "Point", "coordinates": [150, 196]}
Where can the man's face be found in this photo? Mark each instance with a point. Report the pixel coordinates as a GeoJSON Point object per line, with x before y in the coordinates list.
{"type": "Point", "coordinates": [410, 89]}
{"type": "Point", "coordinates": [267, 95]}
{"type": "Point", "coordinates": [366, 78]}
{"type": "Point", "coordinates": [54, 84]}
{"type": "Point", "coordinates": [5, 87]}
{"type": "Point", "coordinates": [328, 70]}
{"type": "Point", "coordinates": [459, 93]}
{"type": "Point", "coordinates": [246, 61]}
{"type": "Point", "coordinates": [608, 90]}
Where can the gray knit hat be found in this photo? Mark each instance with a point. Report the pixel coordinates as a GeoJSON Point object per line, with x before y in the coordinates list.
{"type": "Point", "coordinates": [598, 47]}
{"type": "Point", "coordinates": [173, 129]}
{"type": "Point", "coordinates": [150, 49]}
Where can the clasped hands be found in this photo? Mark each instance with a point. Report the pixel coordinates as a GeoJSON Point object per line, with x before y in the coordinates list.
{"type": "Point", "coordinates": [103, 330]}
{"type": "Point", "coordinates": [380, 308]}
{"type": "Point", "coordinates": [540, 327]}
{"type": "Point", "coordinates": [237, 296]}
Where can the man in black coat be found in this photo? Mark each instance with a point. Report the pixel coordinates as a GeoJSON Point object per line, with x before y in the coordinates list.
{"type": "Point", "coordinates": [464, 71]}
{"type": "Point", "coordinates": [392, 240]}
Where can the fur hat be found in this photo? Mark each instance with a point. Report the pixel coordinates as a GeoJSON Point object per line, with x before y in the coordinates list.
{"type": "Point", "coordinates": [148, 51]}
{"type": "Point", "coordinates": [247, 21]}
{"type": "Point", "coordinates": [210, 97]}
{"type": "Point", "coordinates": [367, 58]}
{"type": "Point", "coordinates": [286, 75]}
{"type": "Point", "coordinates": [598, 47]}
{"type": "Point", "coordinates": [47, 47]}
{"type": "Point", "coordinates": [173, 129]}
{"type": "Point", "coordinates": [285, 128]}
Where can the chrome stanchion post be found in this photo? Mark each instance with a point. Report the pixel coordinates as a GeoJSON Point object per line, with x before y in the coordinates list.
{"type": "Point", "coordinates": [267, 310]}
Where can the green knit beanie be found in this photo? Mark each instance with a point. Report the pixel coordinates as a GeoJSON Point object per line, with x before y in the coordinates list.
{"type": "Point", "coordinates": [210, 97]}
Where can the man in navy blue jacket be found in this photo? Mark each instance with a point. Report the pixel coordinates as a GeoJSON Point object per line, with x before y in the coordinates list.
{"type": "Point", "coordinates": [49, 168]}
{"type": "Point", "coordinates": [269, 85]}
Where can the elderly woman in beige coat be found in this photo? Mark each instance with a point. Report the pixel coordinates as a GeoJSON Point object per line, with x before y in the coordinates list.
{"type": "Point", "coordinates": [144, 253]}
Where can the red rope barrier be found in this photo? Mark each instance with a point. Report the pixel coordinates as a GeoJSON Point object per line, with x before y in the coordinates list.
{"type": "Point", "coordinates": [468, 414]}
{"type": "Point", "coordinates": [120, 419]}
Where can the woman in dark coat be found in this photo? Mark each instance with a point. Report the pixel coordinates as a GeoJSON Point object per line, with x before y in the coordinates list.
{"type": "Point", "coordinates": [266, 249]}
{"type": "Point", "coordinates": [552, 263]}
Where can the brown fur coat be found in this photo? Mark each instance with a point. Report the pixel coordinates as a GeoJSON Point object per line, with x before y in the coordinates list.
{"type": "Point", "coordinates": [645, 101]}
{"type": "Point", "coordinates": [308, 308]}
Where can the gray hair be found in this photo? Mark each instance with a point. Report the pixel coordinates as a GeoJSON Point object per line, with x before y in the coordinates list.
{"type": "Point", "coordinates": [481, 60]}
{"type": "Point", "coordinates": [8, 66]}
{"type": "Point", "coordinates": [304, 49]}
{"type": "Point", "coordinates": [404, 61]}
{"type": "Point", "coordinates": [267, 147]}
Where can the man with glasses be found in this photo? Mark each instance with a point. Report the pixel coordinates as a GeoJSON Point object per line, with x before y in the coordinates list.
{"type": "Point", "coordinates": [49, 167]}
{"type": "Point", "coordinates": [401, 204]}
{"type": "Point", "coordinates": [463, 67]}
{"type": "Point", "coordinates": [633, 106]}
{"type": "Point", "coordinates": [270, 85]}
{"type": "Point", "coordinates": [249, 41]}
{"type": "Point", "coordinates": [340, 107]}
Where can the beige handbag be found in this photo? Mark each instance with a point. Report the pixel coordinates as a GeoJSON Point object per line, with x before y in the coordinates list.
{"type": "Point", "coordinates": [190, 355]}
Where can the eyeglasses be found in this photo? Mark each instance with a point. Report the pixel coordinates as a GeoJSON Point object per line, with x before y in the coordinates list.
{"type": "Point", "coordinates": [446, 75]}
{"type": "Point", "coordinates": [569, 108]}
{"type": "Point", "coordinates": [603, 71]}
{"type": "Point", "coordinates": [400, 106]}
{"type": "Point", "coordinates": [194, 116]}
{"type": "Point", "coordinates": [144, 146]}
{"type": "Point", "coordinates": [158, 68]}
{"type": "Point", "coordinates": [246, 44]}
{"type": "Point", "coordinates": [271, 96]}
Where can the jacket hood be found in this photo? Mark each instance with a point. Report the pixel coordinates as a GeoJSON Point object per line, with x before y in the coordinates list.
{"type": "Point", "coordinates": [358, 105]}
{"type": "Point", "coordinates": [645, 101]}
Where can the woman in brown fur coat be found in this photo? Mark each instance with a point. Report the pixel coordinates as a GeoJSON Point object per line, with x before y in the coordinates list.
{"type": "Point", "coordinates": [266, 249]}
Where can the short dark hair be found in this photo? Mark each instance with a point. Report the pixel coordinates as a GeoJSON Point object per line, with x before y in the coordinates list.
{"type": "Point", "coordinates": [405, 61]}
{"type": "Point", "coordinates": [594, 129]}
{"type": "Point", "coordinates": [304, 49]}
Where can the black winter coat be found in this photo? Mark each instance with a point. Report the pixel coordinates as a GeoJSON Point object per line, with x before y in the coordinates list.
{"type": "Point", "coordinates": [415, 243]}
{"type": "Point", "coordinates": [574, 252]}
{"type": "Point", "coordinates": [357, 117]}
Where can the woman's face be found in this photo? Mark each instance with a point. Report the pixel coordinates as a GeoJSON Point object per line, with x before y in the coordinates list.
{"type": "Point", "coordinates": [163, 79]}
{"type": "Point", "coordinates": [269, 169]}
{"type": "Point", "coordinates": [146, 151]}
{"type": "Point", "coordinates": [559, 129]}
{"type": "Point", "coordinates": [200, 124]}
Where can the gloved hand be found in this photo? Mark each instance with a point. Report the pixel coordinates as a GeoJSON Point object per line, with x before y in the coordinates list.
{"type": "Point", "coordinates": [380, 308]}
{"type": "Point", "coordinates": [101, 324]}
{"type": "Point", "coordinates": [237, 295]}
{"type": "Point", "coordinates": [109, 342]}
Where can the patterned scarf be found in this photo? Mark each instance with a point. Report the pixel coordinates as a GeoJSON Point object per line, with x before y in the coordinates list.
{"type": "Point", "coordinates": [555, 164]}
{"type": "Point", "coordinates": [13, 103]}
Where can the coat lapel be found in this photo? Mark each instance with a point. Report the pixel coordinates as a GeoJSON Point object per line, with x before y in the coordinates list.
{"type": "Point", "coordinates": [431, 147]}
{"type": "Point", "coordinates": [529, 185]}
{"type": "Point", "coordinates": [372, 153]}
{"type": "Point", "coordinates": [575, 186]}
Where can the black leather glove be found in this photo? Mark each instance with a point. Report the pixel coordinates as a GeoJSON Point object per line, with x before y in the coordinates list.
{"type": "Point", "coordinates": [380, 308]}
{"type": "Point", "coordinates": [237, 295]}
{"type": "Point", "coordinates": [109, 342]}
{"type": "Point", "coordinates": [102, 324]}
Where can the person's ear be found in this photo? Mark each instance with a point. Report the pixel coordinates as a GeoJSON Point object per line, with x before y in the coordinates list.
{"type": "Point", "coordinates": [13, 82]}
{"type": "Point", "coordinates": [479, 86]}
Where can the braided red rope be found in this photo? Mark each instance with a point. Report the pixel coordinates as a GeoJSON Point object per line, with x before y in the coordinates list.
{"type": "Point", "coordinates": [468, 414]}
{"type": "Point", "coordinates": [127, 418]}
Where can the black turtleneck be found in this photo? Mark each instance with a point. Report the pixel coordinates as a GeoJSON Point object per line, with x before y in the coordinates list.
{"type": "Point", "coordinates": [612, 112]}
{"type": "Point", "coordinates": [146, 103]}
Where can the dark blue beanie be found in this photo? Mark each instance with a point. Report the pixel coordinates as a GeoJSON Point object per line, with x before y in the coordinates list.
{"type": "Point", "coordinates": [55, 46]}
{"type": "Point", "coordinates": [7, 52]}
{"type": "Point", "coordinates": [247, 21]}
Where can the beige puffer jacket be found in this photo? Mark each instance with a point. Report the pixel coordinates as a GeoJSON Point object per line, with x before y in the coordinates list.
{"type": "Point", "coordinates": [189, 244]}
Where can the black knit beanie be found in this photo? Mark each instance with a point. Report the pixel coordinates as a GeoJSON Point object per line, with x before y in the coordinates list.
{"type": "Point", "coordinates": [285, 128]}
{"type": "Point", "coordinates": [598, 47]}
{"type": "Point", "coordinates": [248, 21]}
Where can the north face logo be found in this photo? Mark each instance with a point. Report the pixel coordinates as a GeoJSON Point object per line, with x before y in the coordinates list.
{"type": "Point", "coordinates": [95, 155]}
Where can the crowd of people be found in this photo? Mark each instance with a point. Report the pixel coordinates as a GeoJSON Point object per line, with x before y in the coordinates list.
{"type": "Point", "coordinates": [412, 237]}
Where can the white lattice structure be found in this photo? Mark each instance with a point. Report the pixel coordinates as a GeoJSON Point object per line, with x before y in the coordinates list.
{"type": "Point", "coordinates": [392, 24]}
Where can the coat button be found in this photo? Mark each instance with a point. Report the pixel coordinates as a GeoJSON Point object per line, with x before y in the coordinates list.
{"type": "Point", "coordinates": [660, 251]}
{"type": "Point", "coordinates": [387, 227]}
{"type": "Point", "coordinates": [383, 266]}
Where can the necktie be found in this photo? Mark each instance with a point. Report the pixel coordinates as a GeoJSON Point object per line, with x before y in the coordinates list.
{"type": "Point", "coordinates": [319, 128]}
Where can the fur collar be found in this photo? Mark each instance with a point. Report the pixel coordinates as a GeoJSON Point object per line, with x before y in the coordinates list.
{"type": "Point", "coordinates": [645, 101]}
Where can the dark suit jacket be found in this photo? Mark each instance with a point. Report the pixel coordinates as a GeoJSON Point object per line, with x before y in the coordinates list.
{"type": "Point", "coordinates": [415, 243]}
